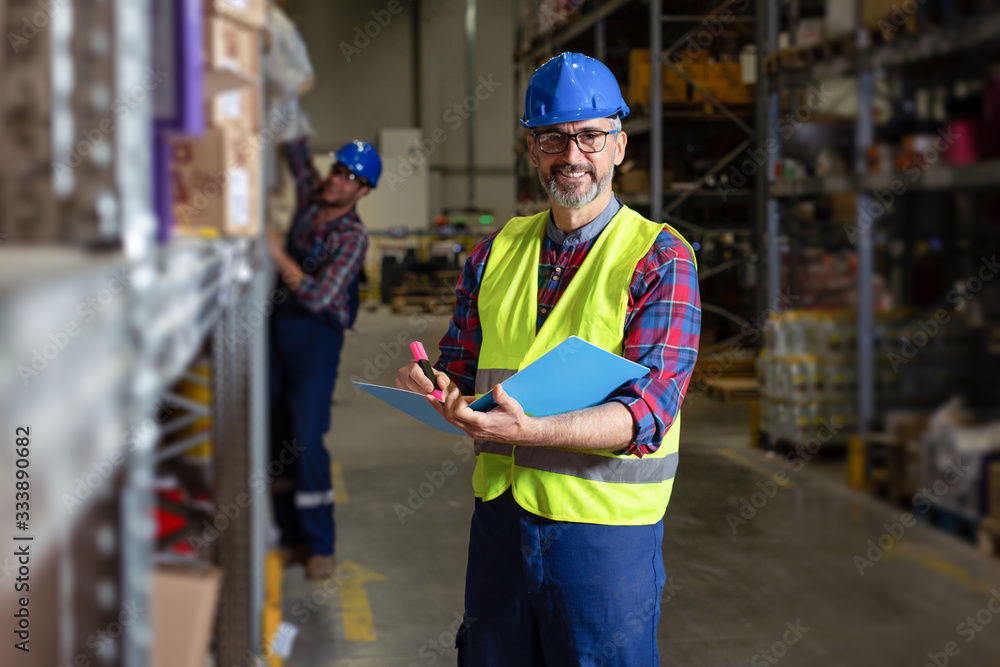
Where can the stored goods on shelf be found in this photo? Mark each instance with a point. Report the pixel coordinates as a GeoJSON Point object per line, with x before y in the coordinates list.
{"type": "Point", "coordinates": [216, 181]}
{"type": "Point", "coordinates": [238, 108]}
{"type": "Point", "coordinates": [675, 88]}
{"type": "Point", "coordinates": [955, 453]}
{"type": "Point", "coordinates": [232, 55]}
{"type": "Point", "coordinates": [252, 13]}
{"type": "Point", "coordinates": [184, 603]}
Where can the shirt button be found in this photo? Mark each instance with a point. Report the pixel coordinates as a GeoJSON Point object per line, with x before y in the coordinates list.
{"type": "Point", "coordinates": [544, 310]}
{"type": "Point", "coordinates": [558, 269]}
{"type": "Point", "coordinates": [555, 277]}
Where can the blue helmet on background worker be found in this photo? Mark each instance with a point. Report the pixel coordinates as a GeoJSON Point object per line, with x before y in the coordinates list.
{"type": "Point", "coordinates": [362, 159]}
{"type": "Point", "coordinates": [571, 87]}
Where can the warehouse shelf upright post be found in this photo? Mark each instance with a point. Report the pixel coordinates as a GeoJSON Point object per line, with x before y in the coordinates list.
{"type": "Point", "coordinates": [90, 407]}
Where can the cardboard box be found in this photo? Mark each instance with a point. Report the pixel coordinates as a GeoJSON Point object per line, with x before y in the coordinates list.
{"type": "Point", "coordinates": [674, 88]}
{"type": "Point", "coordinates": [232, 55]}
{"type": "Point", "coordinates": [184, 604]}
{"type": "Point", "coordinates": [216, 184]}
{"type": "Point", "coordinates": [238, 109]}
{"type": "Point", "coordinates": [252, 13]}
{"type": "Point", "coordinates": [639, 77]}
{"type": "Point", "coordinates": [723, 81]}
{"type": "Point", "coordinates": [844, 207]}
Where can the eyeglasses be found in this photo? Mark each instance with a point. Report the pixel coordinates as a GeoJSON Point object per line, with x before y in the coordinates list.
{"type": "Point", "coordinates": [338, 169]}
{"type": "Point", "coordinates": [588, 141]}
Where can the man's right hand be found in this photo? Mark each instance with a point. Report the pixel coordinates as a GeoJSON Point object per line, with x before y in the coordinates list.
{"type": "Point", "coordinates": [411, 378]}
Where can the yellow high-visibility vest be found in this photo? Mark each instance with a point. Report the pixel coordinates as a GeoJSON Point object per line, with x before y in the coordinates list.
{"type": "Point", "coordinates": [567, 484]}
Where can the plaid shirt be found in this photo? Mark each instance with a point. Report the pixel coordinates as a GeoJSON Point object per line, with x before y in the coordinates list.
{"type": "Point", "coordinates": [338, 246]}
{"type": "Point", "coordinates": [662, 323]}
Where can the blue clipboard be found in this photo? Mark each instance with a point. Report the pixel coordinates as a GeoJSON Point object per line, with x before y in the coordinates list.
{"type": "Point", "coordinates": [571, 376]}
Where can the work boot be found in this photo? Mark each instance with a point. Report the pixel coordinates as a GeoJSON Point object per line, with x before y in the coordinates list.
{"type": "Point", "coordinates": [320, 568]}
{"type": "Point", "coordinates": [297, 555]}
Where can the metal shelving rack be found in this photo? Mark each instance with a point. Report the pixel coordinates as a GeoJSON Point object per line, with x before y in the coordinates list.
{"type": "Point", "coordinates": [868, 57]}
{"type": "Point", "coordinates": [91, 405]}
{"type": "Point", "coordinates": [663, 206]}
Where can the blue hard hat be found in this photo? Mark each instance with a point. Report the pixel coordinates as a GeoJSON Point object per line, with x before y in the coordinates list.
{"type": "Point", "coordinates": [570, 87]}
{"type": "Point", "coordinates": [362, 159]}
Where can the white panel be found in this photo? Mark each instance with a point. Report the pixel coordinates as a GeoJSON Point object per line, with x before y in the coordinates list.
{"type": "Point", "coordinates": [401, 198]}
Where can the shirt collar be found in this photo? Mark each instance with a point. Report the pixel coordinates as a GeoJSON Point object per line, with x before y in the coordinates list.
{"type": "Point", "coordinates": [588, 232]}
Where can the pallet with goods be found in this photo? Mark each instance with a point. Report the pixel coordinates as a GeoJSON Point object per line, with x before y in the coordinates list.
{"type": "Point", "coordinates": [922, 313]}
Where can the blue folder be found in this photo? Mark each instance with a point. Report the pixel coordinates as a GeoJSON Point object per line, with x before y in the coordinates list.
{"type": "Point", "coordinates": [571, 376]}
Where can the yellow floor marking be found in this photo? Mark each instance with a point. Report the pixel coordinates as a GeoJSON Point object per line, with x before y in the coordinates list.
{"type": "Point", "coordinates": [339, 488]}
{"type": "Point", "coordinates": [359, 625]}
{"type": "Point", "coordinates": [942, 567]}
{"type": "Point", "coordinates": [756, 467]}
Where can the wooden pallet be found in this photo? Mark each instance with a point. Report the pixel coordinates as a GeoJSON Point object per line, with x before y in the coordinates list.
{"type": "Point", "coordinates": [834, 449]}
{"type": "Point", "coordinates": [733, 390]}
{"type": "Point", "coordinates": [423, 303]}
{"type": "Point", "coordinates": [954, 522]}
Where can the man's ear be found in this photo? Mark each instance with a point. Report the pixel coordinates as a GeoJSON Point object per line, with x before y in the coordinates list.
{"type": "Point", "coordinates": [531, 150]}
{"type": "Point", "coordinates": [621, 140]}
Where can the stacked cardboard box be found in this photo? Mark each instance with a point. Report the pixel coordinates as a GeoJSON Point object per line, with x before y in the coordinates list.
{"type": "Point", "coordinates": [185, 601]}
{"type": "Point", "coordinates": [723, 81]}
{"type": "Point", "coordinates": [216, 176]}
{"type": "Point", "coordinates": [675, 88]}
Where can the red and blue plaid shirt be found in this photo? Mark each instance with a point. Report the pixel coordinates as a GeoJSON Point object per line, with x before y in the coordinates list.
{"type": "Point", "coordinates": [662, 324]}
{"type": "Point", "coordinates": [344, 242]}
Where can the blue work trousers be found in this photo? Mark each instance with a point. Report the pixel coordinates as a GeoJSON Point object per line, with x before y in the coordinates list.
{"type": "Point", "coordinates": [552, 593]}
{"type": "Point", "coordinates": [305, 354]}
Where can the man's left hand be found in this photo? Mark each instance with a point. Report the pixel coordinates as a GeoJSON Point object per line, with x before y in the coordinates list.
{"type": "Point", "coordinates": [289, 271]}
{"type": "Point", "coordinates": [504, 423]}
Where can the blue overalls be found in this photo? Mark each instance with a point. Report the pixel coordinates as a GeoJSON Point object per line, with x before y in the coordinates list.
{"type": "Point", "coordinates": [305, 354]}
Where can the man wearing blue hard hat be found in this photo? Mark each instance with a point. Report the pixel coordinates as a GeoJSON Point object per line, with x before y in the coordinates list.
{"type": "Point", "coordinates": [320, 265]}
{"type": "Point", "coordinates": [565, 554]}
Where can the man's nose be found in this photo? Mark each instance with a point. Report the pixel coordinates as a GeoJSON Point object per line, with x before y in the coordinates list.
{"type": "Point", "coordinates": [573, 152]}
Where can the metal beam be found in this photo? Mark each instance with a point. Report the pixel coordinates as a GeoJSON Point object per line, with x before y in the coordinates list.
{"type": "Point", "coordinates": [656, 107]}
{"type": "Point", "coordinates": [578, 26]}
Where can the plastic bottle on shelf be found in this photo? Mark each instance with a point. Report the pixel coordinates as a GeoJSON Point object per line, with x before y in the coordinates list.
{"type": "Point", "coordinates": [803, 421]}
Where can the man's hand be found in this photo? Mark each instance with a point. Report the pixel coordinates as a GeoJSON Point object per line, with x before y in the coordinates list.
{"type": "Point", "coordinates": [411, 378]}
{"type": "Point", "coordinates": [289, 271]}
{"type": "Point", "coordinates": [504, 423]}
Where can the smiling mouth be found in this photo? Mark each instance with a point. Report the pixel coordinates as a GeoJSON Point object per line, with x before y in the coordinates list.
{"type": "Point", "coordinates": [572, 175]}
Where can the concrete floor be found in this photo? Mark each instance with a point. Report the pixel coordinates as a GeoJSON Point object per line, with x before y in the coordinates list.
{"type": "Point", "coordinates": [734, 589]}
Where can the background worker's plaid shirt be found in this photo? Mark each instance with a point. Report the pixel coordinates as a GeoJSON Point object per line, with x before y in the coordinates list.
{"type": "Point", "coordinates": [344, 240]}
{"type": "Point", "coordinates": [662, 324]}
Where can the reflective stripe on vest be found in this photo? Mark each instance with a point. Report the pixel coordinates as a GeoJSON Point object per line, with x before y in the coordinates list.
{"type": "Point", "coordinates": [561, 484]}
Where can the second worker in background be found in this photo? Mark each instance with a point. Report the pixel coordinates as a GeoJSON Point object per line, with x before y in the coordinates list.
{"type": "Point", "coordinates": [320, 265]}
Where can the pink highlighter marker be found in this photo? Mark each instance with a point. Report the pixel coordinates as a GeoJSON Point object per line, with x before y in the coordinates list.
{"type": "Point", "coordinates": [420, 356]}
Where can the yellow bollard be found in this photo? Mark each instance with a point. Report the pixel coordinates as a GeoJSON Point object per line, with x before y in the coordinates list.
{"type": "Point", "coordinates": [856, 476]}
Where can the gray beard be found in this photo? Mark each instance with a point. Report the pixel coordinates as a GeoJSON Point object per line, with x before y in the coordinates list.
{"type": "Point", "coordinates": [576, 198]}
